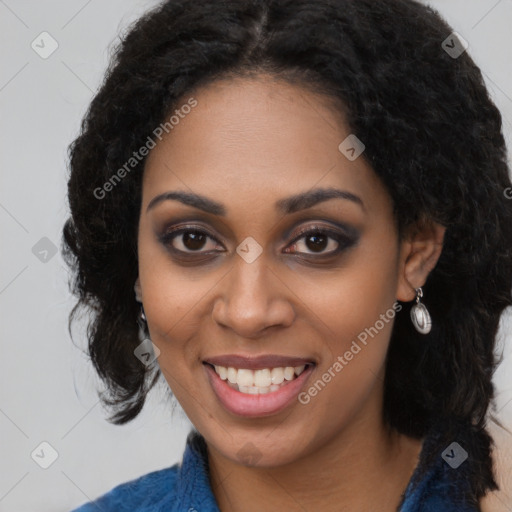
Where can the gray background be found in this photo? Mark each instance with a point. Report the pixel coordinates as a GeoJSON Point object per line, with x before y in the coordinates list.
{"type": "Point", "coordinates": [47, 389]}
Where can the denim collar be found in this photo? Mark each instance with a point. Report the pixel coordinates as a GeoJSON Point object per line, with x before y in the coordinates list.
{"type": "Point", "coordinates": [436, 489]}
{"type": "Point", "coordinates": [193, 492]}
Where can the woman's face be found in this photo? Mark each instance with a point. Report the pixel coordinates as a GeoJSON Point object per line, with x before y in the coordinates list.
{"type": "Point", "coordinates": [244, 286]}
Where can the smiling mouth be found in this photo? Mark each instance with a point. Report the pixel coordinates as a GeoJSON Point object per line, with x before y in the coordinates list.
{"type": "Point", "coordinates": [258, 382]}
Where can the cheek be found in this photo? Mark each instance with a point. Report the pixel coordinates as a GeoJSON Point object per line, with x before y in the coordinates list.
{"type": "Point", "coordinates": [356, 319]}
{"type": "Point", "coordinates": [352, 372]}
{"type": "Point", "coordinates": [173, 307]}
{"type": "Point", "coordinates": [357, 307]}
{"type": "Point", "coordinates": [351, 298]}
{"type": "Point", "coordinates": [172, 294]}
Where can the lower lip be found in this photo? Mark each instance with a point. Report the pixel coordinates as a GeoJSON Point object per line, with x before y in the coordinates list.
{"type": "Point", "coordinates": [243, 404]}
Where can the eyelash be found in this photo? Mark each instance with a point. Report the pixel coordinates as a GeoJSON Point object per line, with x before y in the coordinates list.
{"type": "Point", "coordinates": [343, 241]}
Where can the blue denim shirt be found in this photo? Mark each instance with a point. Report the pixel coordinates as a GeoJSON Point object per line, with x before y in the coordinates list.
{"type": "Point", "coordinates": [185, 487]}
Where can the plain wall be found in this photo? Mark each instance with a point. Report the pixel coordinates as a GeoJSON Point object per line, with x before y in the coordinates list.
{"type": "Point", "coordinates": [47, 390]}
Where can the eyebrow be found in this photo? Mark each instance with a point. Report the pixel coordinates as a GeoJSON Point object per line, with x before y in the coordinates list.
{"type": "Point", "coordinates": [287, 205]}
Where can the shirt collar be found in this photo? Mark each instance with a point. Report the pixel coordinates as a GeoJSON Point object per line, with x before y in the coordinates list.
{"type": "Point", "coordinates": [193, 491]}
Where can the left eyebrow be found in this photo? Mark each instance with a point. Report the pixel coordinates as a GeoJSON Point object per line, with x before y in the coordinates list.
{"type": "Point", "coordinates": [312, 197]}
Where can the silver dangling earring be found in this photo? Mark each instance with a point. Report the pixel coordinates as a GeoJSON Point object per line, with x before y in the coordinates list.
{"type": "Point", "coordinates": [142, 319]}
{"type": "Point", "coordinates": [420, 316]}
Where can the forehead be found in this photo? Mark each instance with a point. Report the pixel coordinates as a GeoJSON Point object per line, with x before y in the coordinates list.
{"type": "Point", "coordinates": [261, 137]}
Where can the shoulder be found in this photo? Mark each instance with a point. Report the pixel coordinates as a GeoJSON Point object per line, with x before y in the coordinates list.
{"type": "Point", "coordinates": [445, 474]}
{"type": "Point", "coordinates": [143, 494]}
{"type": "Point", "coordinates": [500, 500]}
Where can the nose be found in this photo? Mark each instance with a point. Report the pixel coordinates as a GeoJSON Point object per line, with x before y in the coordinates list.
{"type": "Point", "coordinates": [253, 299]}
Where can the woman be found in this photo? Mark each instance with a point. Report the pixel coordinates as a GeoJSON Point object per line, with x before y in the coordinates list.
{"type": "Point", "coordinates": [302, 206]}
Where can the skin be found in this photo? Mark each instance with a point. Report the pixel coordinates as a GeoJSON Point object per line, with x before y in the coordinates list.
{"type": "Point", "coordinates": [247, 144]}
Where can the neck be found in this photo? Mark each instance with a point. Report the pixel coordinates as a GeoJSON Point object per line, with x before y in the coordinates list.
{"type": "Point", "coordinates": [367, 466]}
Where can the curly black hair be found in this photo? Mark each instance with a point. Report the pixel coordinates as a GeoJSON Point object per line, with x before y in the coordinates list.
{"type": "Point", "coordinates": [432, 134]}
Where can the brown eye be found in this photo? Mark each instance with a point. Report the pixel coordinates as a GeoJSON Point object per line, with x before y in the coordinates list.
{"type": "Point", "coordinates": [316, 242]}
{"type": "Point", "coordinates": [321, 241]}
{"type": "Point", "coordinates": [193, 240]}
{"type": "Point", "coordinates": [188, 239]}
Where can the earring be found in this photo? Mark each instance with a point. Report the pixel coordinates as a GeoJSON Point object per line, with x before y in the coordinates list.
{"type": "Point", "coordinates": [420, 316]}
{"type": "Point", "coordinates": [141, 320]}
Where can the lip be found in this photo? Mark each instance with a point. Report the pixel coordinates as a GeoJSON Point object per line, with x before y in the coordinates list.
{"type": "Point", "coordinates": [258, 362]}
{"type": "Point", "coordinates": [252, 406]}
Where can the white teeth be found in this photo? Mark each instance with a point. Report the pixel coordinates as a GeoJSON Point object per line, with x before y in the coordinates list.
{"type": "Point", "coordinates": [277, 375]}
{"type": "Point", "coordinates": [232, 373]}
{"type": "Point", "coordinates": [245, 377]}
{"type": "Point", "coordinates": [261, 381]}
{"type": "Point", "coordinates": [289, 373]}
{"type": "Point", "coordinates": [298, 370]}
{"type": "Point", "coordinates": [223, 372]}
{"type": "Point", "coordinates": [262, 378]}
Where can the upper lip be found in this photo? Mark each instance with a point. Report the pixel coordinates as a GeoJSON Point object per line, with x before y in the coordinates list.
{"type": "Point", "coordinates": [257, 362]}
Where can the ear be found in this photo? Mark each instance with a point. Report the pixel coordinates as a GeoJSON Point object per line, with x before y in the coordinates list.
{"type": "Point", "coordinates": [138, 291]}
{"type": "Point", "coordinates": [419, 253]}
